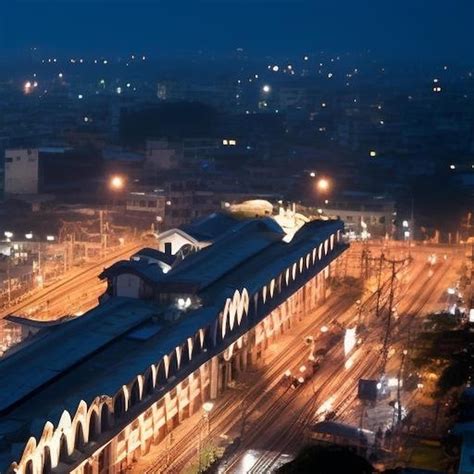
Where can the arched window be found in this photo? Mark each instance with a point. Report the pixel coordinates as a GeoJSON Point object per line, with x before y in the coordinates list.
{"type": "Point", "coordinates": [104, 418]}
{"type": "Point", "coordinates": [161, 376]}
{"type": "Point", "coordinates": [79, 437]}
{"type": "Point", "coordinates": [148, 383]}
{"type": "Point", "coordinates": [29, 467]}
{"type": "Point", "coordinates": [119, 404]}
{"type": "Point", "coordinates": [63, 451]}
{"type": "Point", "coordinates": [47, 460]}
{"type": "Point", "coordinates": [93, 426]}
{"type": "Point", "coordinates": [135, 394]}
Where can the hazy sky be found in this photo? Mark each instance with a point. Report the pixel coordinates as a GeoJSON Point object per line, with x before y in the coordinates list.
{"type": "Point", "coordinates": [391, 28]}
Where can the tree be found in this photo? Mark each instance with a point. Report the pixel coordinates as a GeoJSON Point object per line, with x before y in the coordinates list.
{"type": "Point", "coordinates": [327, 460]}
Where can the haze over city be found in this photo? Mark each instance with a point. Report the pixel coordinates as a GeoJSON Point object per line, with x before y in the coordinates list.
{"type": "Point", "coordinates": [236, 236]}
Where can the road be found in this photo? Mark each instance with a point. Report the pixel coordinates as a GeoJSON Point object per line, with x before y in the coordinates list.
{"type": "Point", "coordinates": [269, 418]}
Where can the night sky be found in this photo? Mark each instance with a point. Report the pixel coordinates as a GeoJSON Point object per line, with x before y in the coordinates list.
{"type": "Point", "coordinates": [425, 29]}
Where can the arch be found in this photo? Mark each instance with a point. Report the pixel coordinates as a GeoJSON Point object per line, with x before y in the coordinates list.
{"type": "Point", "coordinates": [331, 241]}
{"type": "Point", "coordinates": [173, 358]}
{"type": "Point", "coordinates": [104, 418]}
{"type": "Point", "coordinates": [301, 264]}
{"type": "Point", "coordinates": [264, 294]}
{"type": "Point", "coordinates": [315, 251]}
{"type": "Point", "coordinates": [326, 245]}
{"type": "Point", "coordinates": [272, 287]}
{"type": "Point", "coordinates": [93, 426]}
{"type": "Point", "coordinates": [190, 342]}
{"type": "Point", "coordinates": [29, 467]}
{"type": "Point", "coordinates": [184, 354]}
{"type": "Point", "coordinates": [179, 352]}
{"type": "Point", "coordinates": [63, 450]}
{"type": "Point", "coordinates": [320, 251]}
{"type": "Point", "coordinates": [308, 260]}
{"type": "Point", "coordinates": [293, 271]}
{"type": "Point", "coordinates": [161, 373]}
{"type": "Point", "coordinates": [47, 466]}
{"type": "Point", "coordinates": [287, 276]}
{"type": "Point", "coordinates": [148, 385]}
{"type": "Point", "coordinates": [245, 303]}
{"type": "Point", "coordinates": [79, 438]}
{"type": "Point", "coordinates": [135, 393]}
{"type": "Point", "coordinates": [119, 404]}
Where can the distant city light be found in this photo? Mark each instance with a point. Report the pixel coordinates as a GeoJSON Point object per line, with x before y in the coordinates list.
{"type": "Point", "coordinates": [86, 119]}
{"type": "Point", "coordinates": [330, 75]}
{"type": "Point", "coordinates": [306, 58]}
{"type": "Point", "coordinates": [8, 234]}
{"type": "Point", "coordinates": [105, 61]}
{"type": "Point", "coordinates": [80, 96]}
{"type": "Point", "coordinates": [453, 167]}
{"type": "Point", "coordinates": [405, 224]}
{"type": "Point", "coordinates": [312, 174]}
{"type": "Point", "coordinates": [119, 90]}
{"type": "Point", "coordinates": [323, 105]}
{"type": "Point", "coordinates": [29, 236]}
{"type": "Point", "coordinates": [266, 88]}
{"type": "Point", "coordinates": [50, 238]}
{"type": "Point", "coordinates": [373, 153]}
{"type": "Point", "coordinates": [60, 75]}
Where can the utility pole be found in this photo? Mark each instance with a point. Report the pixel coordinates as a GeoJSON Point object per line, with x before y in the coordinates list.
{"type": "Point", "coordinates": [391, 297]}
{"type": "Point", "coordinates": [379, 285]}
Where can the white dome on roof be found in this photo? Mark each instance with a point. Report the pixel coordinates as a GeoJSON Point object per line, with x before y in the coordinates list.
{"type": "Point", "coordinates": [255, 207]}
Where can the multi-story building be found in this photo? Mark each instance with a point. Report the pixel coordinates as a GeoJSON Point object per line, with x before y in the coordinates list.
{"type": "Point", "coordinates": [91, 395]}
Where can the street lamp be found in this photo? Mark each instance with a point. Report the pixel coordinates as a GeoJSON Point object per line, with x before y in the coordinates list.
{"type": "Point", "coordinates": [206, 410]}
{"type": "Point", "coordinates": [8, 234]}
{"type": "Point", "coordinates": [117, 183]}
{"type": "Point", "coordinates": [29, 236]}
{"type": "Point", "coordinates": [323, 185]}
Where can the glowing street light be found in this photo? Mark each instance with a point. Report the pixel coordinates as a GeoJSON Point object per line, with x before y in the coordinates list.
{"type": "Point", "coordinates": [323, 185]}
{"type": "Point", "coordinates": [8, 234]}
{"type": "Point", "coordinates": [207, 407]}
{"type": "Point", "coordinates": [50, 238]}
{"type": "Point", "coordinates": [117, 183]}
{"type": "Point", "coordinates": [266, 88]}
{"type": "Point", "coordinates": [29, 236]}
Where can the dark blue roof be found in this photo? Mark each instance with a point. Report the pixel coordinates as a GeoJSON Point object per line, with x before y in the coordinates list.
{"type": "Point", "coordinates": [156, 255]}
{"type": "Point", "coordinates": [210, 227]}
